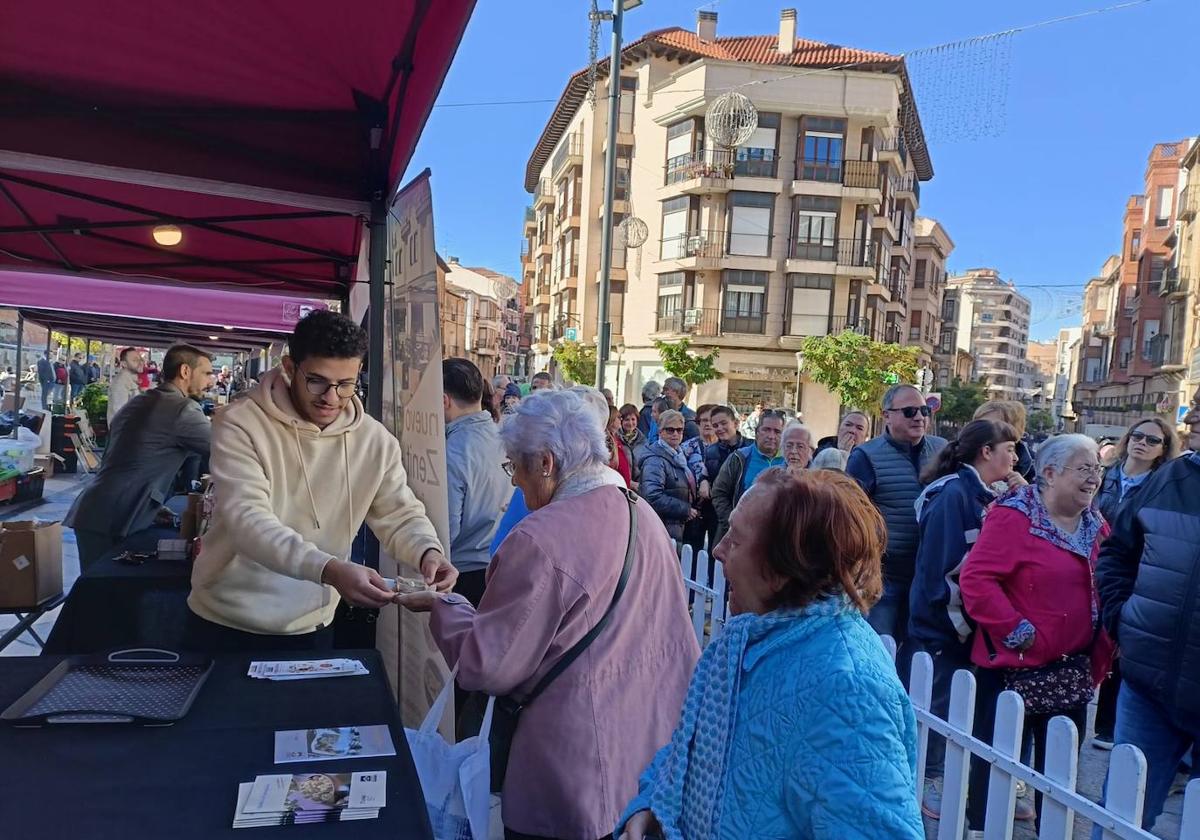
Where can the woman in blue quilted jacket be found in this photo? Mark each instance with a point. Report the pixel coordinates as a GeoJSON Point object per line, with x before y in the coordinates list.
{"type": "Point", "coordinates": [795, 724]}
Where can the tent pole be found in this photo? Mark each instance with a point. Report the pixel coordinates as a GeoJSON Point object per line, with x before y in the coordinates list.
{"type": "Point", "coordinates": [17, 394]}
{"type": "Point", "coordinates": [377, 259]}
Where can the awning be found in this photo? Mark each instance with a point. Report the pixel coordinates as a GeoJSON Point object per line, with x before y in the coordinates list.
{"type": "Point", "coordinates": [263, 130]}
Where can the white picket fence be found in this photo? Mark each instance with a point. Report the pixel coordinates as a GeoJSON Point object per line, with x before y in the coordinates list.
{"type": "Point", "coordinates": [1122, 816]}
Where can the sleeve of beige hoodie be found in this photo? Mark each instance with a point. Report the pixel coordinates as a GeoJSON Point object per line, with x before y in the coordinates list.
{"type": "Point", "coordinates": [397, 517]}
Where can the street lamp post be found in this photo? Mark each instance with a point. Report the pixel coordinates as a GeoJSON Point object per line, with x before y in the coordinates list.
{"type": "Point", "coordinates": [604, 329]}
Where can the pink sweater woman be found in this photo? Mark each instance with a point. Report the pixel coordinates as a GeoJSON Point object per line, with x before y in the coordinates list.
{"type": "Point", "coordinates": [581, 745]}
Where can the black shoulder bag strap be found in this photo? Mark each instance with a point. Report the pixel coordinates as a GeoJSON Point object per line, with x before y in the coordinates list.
{"type": "Point", "coordinates": [580, 646]}
{"type": "Point", "coordinates": [508, 709]}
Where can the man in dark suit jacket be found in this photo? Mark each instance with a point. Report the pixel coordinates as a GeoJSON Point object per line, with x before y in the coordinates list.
{"type": "Point", "coordinates": [148, 442]}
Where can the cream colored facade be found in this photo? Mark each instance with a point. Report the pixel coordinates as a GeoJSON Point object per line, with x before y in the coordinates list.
{"type": "Point", "coordinates": [808, 228]}
{"type": "Point", "coordinates": [993, 324]}
{"type": "Point", "coordinates": [930, 251]}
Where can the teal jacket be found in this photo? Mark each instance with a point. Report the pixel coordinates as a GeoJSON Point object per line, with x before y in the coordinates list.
{"type": "Point", "coordinates": [824, 740]}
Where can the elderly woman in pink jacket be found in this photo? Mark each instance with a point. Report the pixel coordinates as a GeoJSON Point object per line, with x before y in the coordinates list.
{"type": "Point", "coordinates": [580, 745]}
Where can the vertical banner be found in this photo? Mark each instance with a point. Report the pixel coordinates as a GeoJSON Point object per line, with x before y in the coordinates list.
{"type": "Point", "coordinates": [412, 409]}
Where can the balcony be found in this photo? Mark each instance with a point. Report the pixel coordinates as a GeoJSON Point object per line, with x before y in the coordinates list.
{"type": "Point", "coordinates": [570, 151]}
{"type": "Point", "coordinates": [544, 194]}
{"type": "Point", "coordinates": [530, 219]}
{"type": "Point", "coordinates": [565, 212]}
{"type": "Point", "coordinates": [763, 165]}
{"type": "Point", "coordinates": [898, 285]}
{"type": "Point", "coordinates": [1189, 202]}
{"type": "Point", "coordinates": [700, 323]}
{"type": "Point", "coordinates": [889, 143]}
{"type": "Point", "coordinates": [541, 299]}
{"type": "Point", "coordinates": [706, 249]}
{"type": "Point", "coordinates": [706, 172]}
{"type": "Point", "coordinates": [862, 175]}
{"type": "Point", "coordinates": [908, 186]}
{"type": "Point", "coordinates": [1170, 286]}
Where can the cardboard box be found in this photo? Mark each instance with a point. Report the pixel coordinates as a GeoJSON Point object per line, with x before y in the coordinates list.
{"type": "Point", "coordinates": [30, 563]}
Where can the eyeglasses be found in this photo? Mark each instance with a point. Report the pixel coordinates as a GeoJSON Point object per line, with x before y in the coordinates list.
{"type": "Point", "coordinates": [319, 386]}
{"type": "Point", "coordinates": [670, 430]}
{"type": "Point", "coordinates": [1153, 440]}
{"type": "Point", "coordinates": [800, 446]}
{"type": "Point", "coordinates": [509, 468]}
{"type": "Point", "coordinates": [1089, 470]}
{"type": "Point", "coordinates": [912, 411]}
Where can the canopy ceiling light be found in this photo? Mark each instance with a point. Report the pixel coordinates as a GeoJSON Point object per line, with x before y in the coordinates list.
{"type": "Point", "coordinates": [168, 235]}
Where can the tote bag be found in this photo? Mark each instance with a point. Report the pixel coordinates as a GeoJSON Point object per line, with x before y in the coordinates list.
{"type": "Point", "coordinates": [455, 778]}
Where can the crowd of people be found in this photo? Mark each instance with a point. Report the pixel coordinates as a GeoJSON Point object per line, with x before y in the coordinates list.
{"type": "Point", "coordinates": [562, 593]}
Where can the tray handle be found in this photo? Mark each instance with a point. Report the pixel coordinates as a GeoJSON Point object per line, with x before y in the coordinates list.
{"type": "Point", "coordinates": [122, 655]}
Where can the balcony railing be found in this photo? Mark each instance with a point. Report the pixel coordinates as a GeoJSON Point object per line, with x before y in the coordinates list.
{"type": "Point", "coordinates": [856, 253]}
{"type": "Point", "coordinates": [891, 141]}
{"type": "Point", "coordinates": [1189, 202]}
{"type": "Point", "coordinates": [698, 322]}
{"type": "Point", "coordinates": [706, 163]}
{"type": "Point", "coordinates": [861, 174]}
{"type": "Point", "coordinates": [910, 183]}
{"type": "Point", "coordinates": [764, 166]}
{"type": "Point", "coordinates": [715, 244]}
{"type": "Point", "coordinates": [571, 146]}
{"type": "Point", "coordinates": [1157, 350]}
{"type": "Point", "coordinates": [898, 284]}
{"type": "Point", "coordinates": [544, 192]}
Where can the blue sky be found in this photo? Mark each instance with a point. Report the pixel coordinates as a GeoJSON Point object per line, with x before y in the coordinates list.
{"type": "Point", "coordinates": [1041, 200]}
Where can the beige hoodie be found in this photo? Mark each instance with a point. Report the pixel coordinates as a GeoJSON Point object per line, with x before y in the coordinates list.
{"type": "Point", "coordinates": [289, 498]}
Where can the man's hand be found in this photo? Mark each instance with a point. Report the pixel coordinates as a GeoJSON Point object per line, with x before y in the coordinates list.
{"type": "Point", "coordinates": [359, 585]}
{"type": "Point", "coordinates": [846, 441]}
{"type": "Point", "coordinates": [437, 571]}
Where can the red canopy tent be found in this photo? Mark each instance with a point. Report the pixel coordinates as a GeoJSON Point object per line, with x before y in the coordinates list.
{"type": "Point", "coordinates": [272, 134]}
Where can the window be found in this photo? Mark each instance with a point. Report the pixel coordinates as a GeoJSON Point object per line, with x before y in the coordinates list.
{"type": "Point", "coordinates": [914, 325]}
{"type": "Point", "coordinates": [677, 214]}
{"type": "Point", "coordinates": [948, 313]}
{"type": "Point", "coordinates": [618, 249]}
{"type": "Point", "coordinates": [673, 291]}
{"type": "Point", "coordinates": [744, 301]}
{"type": "Point", "coordinates": [758, 156]}
{"type": "Point", "coordinates": [815, 227]}
{"type": "Point", "coordinates": [810, 302]}
{"type": "Point", "coordinates": [1135, 244]}
{"type": "Point", "coordinates": [919, 275]}
{"type": "Point", "coordinates": [685, 140]}
{"type": "Point", "coordinates": [1158, 270]}
{"type": "Point", "coordinates": [1150, 330]}
{"type": "Point", "coordinates": [624, 167]}
{"type": "Point", "coordinates": [1163, 208]}
{"type": "Point", "coordinates": [821, 149]}
{"type": "Point", "coordinates": [1124, 352]}
{"type": "Point", "coordinates": [947, 340]}
{"type": "Point", "coordinates": [751, 216]}
{"type": "Point", "coordinates": [628, 95]}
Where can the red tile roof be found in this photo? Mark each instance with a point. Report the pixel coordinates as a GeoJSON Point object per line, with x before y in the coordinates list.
{"type": "Point", "coordinates": [755, 49]}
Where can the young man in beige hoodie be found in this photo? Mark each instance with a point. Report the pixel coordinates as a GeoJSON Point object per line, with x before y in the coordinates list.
{"type": "Point", "coordinates": [297, 467]}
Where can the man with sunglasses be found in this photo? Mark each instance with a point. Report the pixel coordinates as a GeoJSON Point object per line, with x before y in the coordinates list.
{"type": "Point", "coordinates": [889, 468]}
{"type": "Point", "coordinates": [1148, 577]}
{"type": "Point", "coordinates": [297, 467]}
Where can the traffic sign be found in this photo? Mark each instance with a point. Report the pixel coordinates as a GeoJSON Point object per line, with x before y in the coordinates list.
{"type": "Point", "coordinates": [934, 401]}
{"type": "Point", "coordinates": [572, 334]}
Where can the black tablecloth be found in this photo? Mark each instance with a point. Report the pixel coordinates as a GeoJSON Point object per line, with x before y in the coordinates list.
{"type": "Point", "coordinates": [180, 782]}
{"type": "Point", "coordinates": [114, 605]}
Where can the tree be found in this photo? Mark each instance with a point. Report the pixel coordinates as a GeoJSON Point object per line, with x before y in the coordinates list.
{"type": "Point", "coordinates": [1041, 421]}
{"type": "Point", "coordinates": [959, 401]}
{"type": "Point", "coordinates": [856, 368]}
{"type": "Point", "coordinates": [578, 361]}
{"type": "Point", "coordinates": [690, 367]}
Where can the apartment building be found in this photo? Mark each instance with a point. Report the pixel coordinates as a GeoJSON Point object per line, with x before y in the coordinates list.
{"type": "Point", "coordinates": [1042, 370]}
{"type": "Point", "coordinates": [1066, 366]}
{"type": "Point", "coordinates": [931, 248]}
{"type": "Point", "coordinates": [478, 319]}
{"type": "Point", "coordinates": [951, 361]}
{"type": "Point", "coordinates": [1181, 348]}
{"type": "Point", "coordinates": [806, 229]}
{"type": "Point", "coordinates": [992, 323]}
{"type": "Point", "coordinates": [1138, 318]}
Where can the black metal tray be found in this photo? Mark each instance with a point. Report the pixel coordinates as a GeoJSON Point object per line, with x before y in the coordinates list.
{"type": "Point", "coordinates": [122, 687]}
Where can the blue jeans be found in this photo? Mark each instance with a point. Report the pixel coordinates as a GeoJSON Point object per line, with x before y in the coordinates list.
{"type": "Point", "coordinates": [889, 617]}
{"type": "Point", "coordinates": [1144, 723]}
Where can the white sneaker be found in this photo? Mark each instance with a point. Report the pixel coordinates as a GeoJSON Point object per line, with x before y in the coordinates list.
{"type": "Point", "coordinates": [973, 835]}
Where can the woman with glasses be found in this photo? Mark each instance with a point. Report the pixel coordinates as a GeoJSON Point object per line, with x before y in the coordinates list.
{"type": "Point", "coordinates": [1029, 586]}
{"type": "Point", "coordinates": [1145, 446]}
{"type": "Point", "coordinates": [668, 483]}
{"type": "Point", "coordinates": [580, 744]}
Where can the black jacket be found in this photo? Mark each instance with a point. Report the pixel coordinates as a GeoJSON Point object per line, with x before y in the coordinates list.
{"type": "Point", "coordinates": [716, 454]}
{"type": "Point", "coordinates": [1108, 499]}
{"type": "Point", "coordinates": [645, 419]}
{"type": "Point", "coordinates": [1148, 575]}
{"type": "Point", "coordinates": [78, 374]}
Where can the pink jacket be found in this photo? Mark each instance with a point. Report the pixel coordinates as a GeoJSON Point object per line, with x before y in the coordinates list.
{"type": "Point", "coordinates": [1011, 574]}
{"type": "Point", "coordinates": [581, 745]}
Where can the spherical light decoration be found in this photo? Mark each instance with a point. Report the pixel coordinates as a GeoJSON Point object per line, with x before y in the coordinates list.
{"type": "Point", "coordinates": [632, 232]}
{"type": "Point", "coordinates": [731, 119]}
{"type": "Point", "coordinates": [167, 235]}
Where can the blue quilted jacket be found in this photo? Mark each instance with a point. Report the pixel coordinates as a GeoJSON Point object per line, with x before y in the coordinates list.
{"type": "Point", "coordinates": [824, 742]}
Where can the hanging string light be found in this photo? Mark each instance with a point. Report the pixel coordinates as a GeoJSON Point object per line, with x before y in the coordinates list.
{"type": "Point", "coordinates": [731, 119]}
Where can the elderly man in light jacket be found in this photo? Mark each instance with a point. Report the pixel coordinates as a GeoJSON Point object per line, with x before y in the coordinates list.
{"type": "Point", "coordinates": [124, 384]}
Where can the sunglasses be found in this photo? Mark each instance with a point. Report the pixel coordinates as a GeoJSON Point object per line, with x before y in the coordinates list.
{"type": "Point", "coordinates": [1153, 440]}
{"type": "Point", "coordinates": [913, 410]}
{"type": "Point", "coordinates": [672, 429]}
